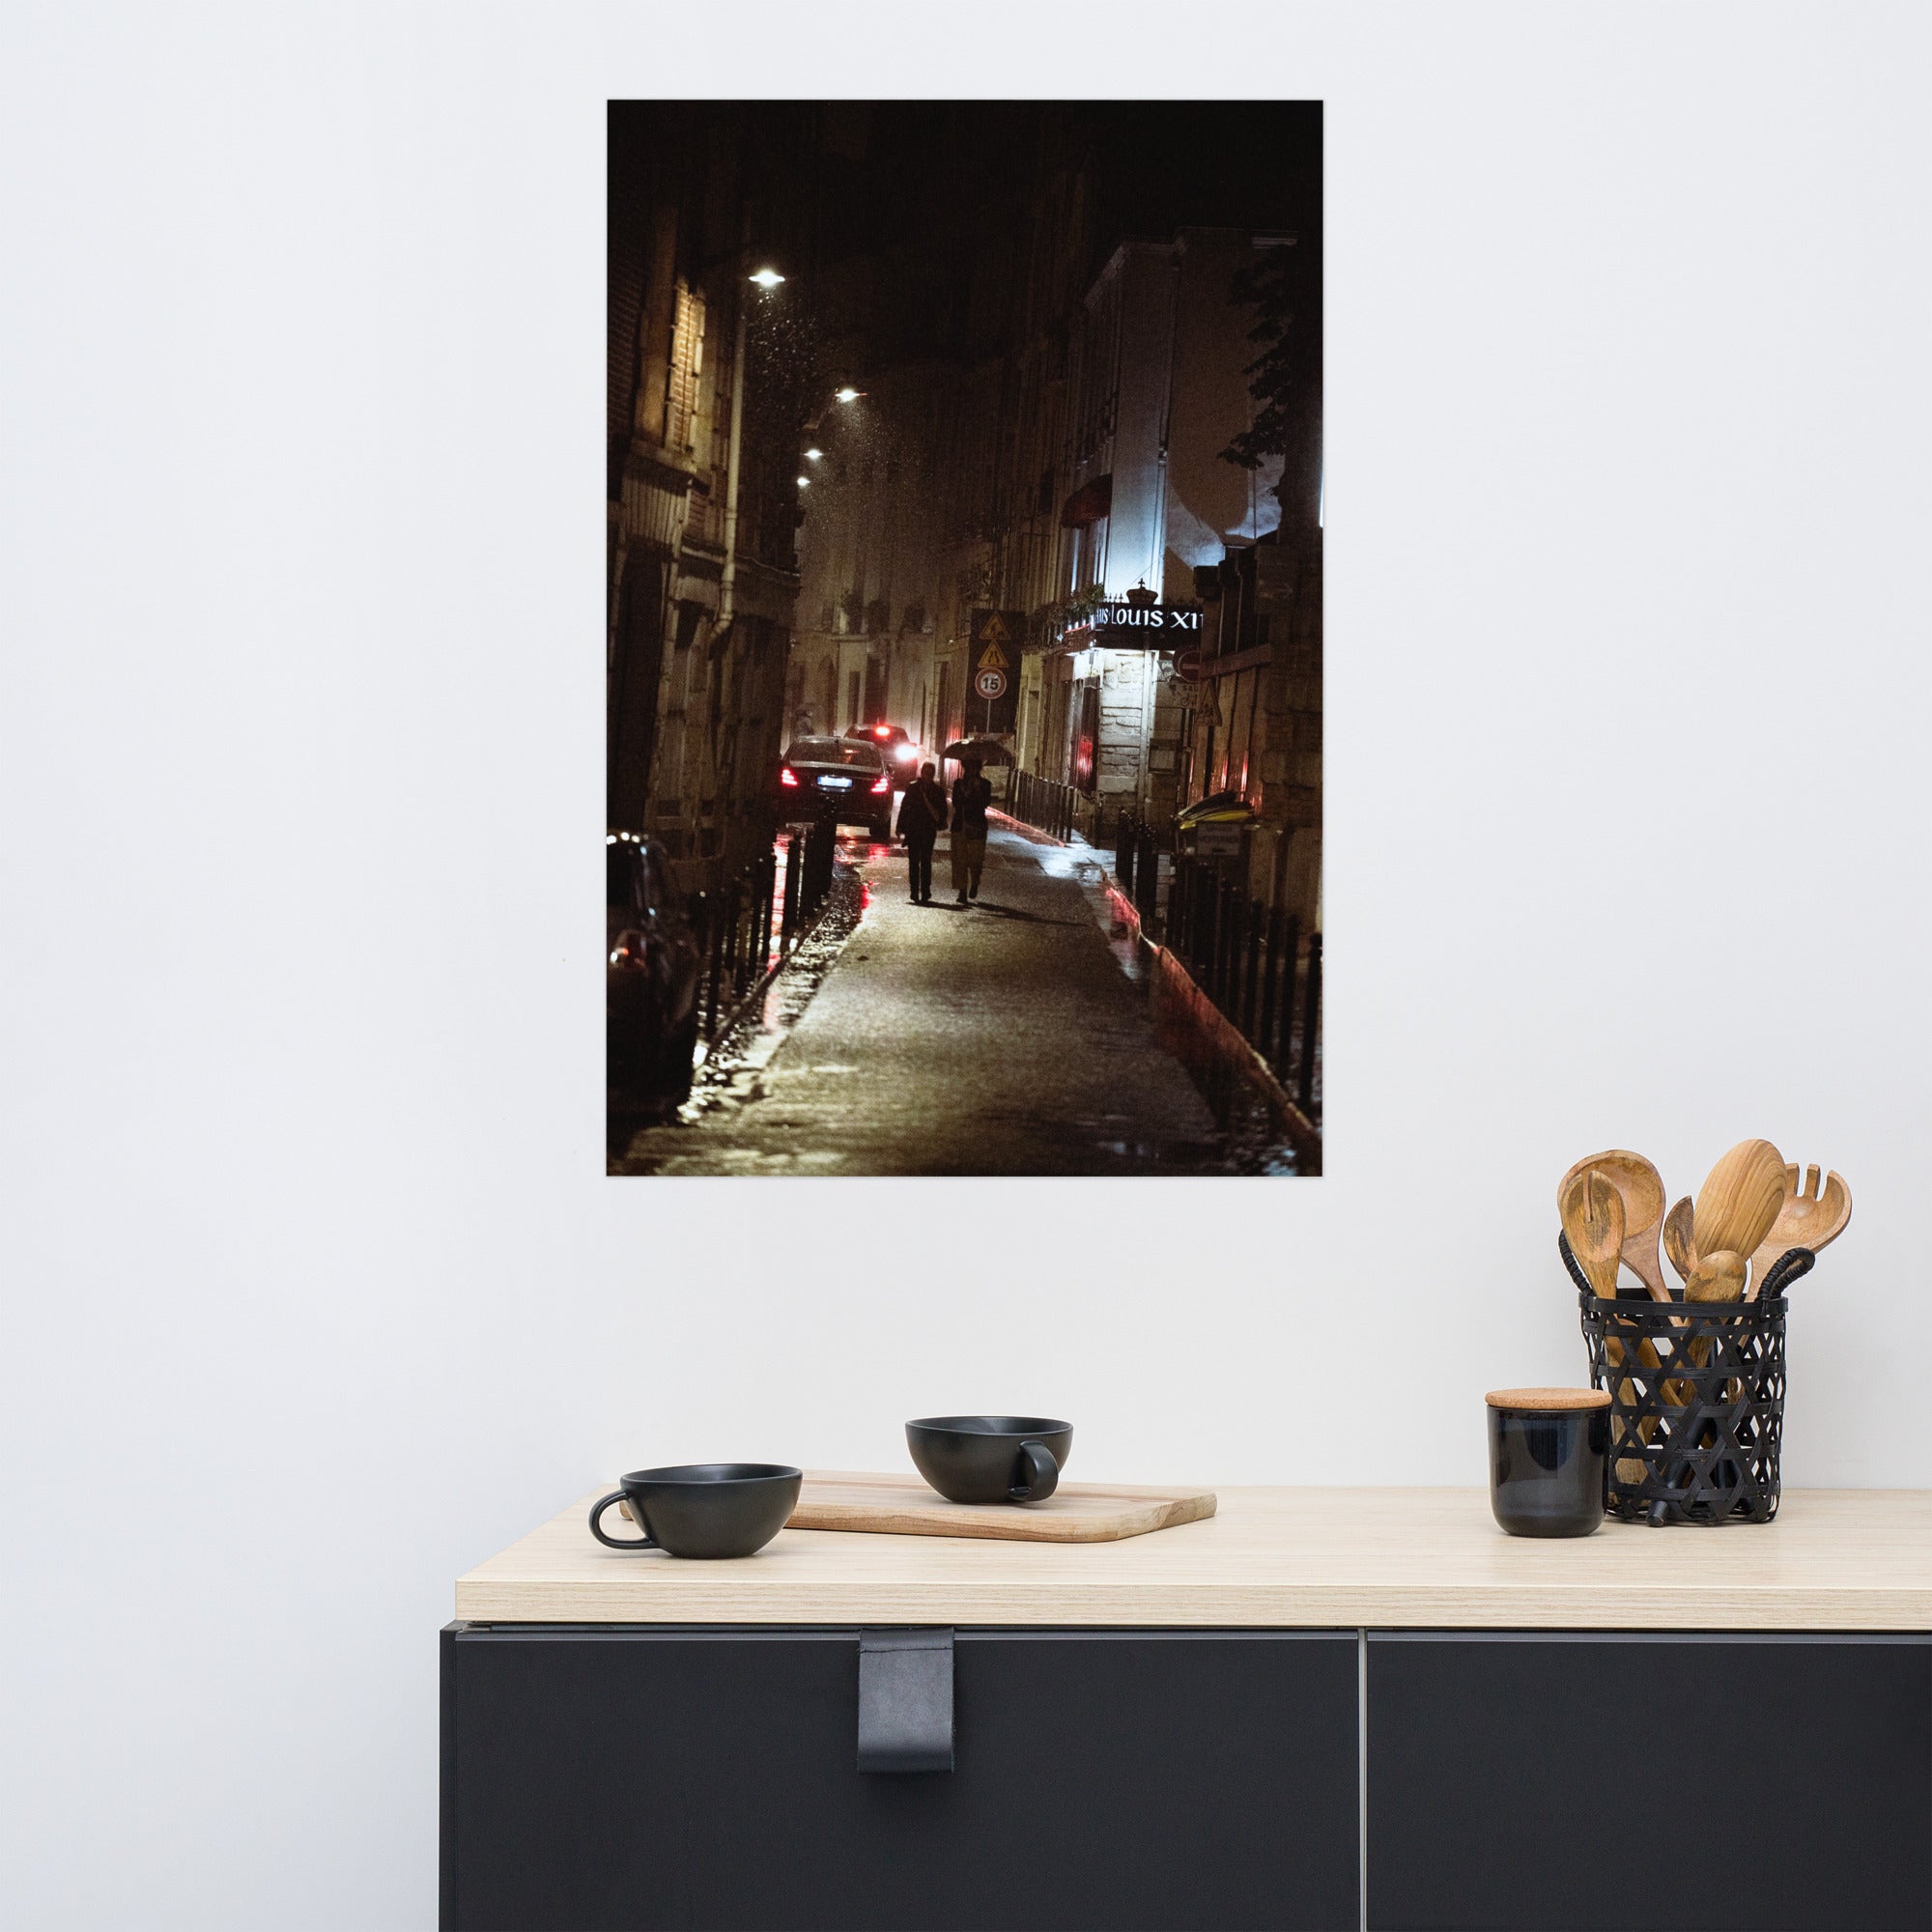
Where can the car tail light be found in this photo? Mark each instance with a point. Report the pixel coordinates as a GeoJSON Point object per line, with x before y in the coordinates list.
{"type": "Point", "coordinates": [882, 730]}
{"type": "Point", "coordinates": [629, 951]}
{"type": "Point", "coordinates": [882, 784]}
{"type": "Point", "coordinates": [787, 777]}
{"type": "Point", "coordinates": [906, 754]}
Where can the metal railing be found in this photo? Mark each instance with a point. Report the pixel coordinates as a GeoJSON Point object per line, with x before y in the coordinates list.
{"type": "Point", "coordinates": [749, 924]}
{"type": "Point", "coordinates": [1249, 959]}
{"type": "Point", "coordinates": [1043, 803]}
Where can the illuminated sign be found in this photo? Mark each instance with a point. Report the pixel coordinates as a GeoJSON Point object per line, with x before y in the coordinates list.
{"type": "Point", "coordinates": [1136, 626]}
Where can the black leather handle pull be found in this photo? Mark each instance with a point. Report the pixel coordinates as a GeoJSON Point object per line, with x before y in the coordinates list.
{"type": "Point", "coordinates": [905, 1701]}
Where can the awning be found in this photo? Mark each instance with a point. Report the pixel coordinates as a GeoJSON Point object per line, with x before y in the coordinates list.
{"type": "Point", "coordinates": [1088, 504]}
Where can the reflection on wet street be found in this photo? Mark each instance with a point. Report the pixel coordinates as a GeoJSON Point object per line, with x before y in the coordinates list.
{"type": "Point", "coordinates": [1013, 1037]}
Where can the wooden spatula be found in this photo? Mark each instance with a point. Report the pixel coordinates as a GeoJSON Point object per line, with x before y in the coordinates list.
{"type": "Point", "coordinates": [1593, 1218]}
{"type": "Point", "coordinates": [1593, 1222]}
{"type": "Point", "coordinates": [1641, 1189]}
{"type": "Point", "coordinates": [1739, 1200]}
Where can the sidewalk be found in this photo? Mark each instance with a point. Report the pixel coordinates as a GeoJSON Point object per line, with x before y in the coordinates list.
{"type": "Point", "coordinates": [998, 1039]}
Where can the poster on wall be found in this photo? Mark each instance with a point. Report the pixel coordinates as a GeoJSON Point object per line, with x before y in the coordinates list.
{"type": "Point", "coordinates": [963, 654]}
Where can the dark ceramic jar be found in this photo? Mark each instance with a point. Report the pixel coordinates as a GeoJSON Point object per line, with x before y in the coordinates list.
{"type": "Point", "coordinates": [1548, 1456]}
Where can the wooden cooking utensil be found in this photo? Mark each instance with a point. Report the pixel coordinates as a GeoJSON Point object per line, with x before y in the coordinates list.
{"type": "Point", "coordinates": [1593, 1218]}
{"type": "Point", "coordinates": [1739, 1200]}
{"type": "Point", "coordinates": [1807, 1217]}
{"type": "Point", "coordinates": [1593, 1222]}
{"type": "Point", "coordinates": [1679, 1240]}
{"type": "Point", "coordinates": [1641, 1187]}
{"type": "Point", "coordinates": [1718, 1277]}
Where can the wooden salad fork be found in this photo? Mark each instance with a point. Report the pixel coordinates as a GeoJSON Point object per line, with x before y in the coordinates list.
{"type": "Point", "coordinates": [1809, 1216]}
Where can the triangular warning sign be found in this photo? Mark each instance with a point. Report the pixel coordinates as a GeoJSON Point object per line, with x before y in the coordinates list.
{"type": "Point", "coordinates": [994, 631]}
{"type": "Point", "coordinates": [993, 658]}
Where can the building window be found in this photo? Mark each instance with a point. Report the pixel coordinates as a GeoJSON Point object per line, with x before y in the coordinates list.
{"type": "Point", "coordinates": [687, 365]}
{"type": "Point", "coordinates": [853, 687]}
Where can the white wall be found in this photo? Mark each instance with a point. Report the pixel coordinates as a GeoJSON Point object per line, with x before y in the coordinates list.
{"type": "Point", "coordinates": [315, 1293]}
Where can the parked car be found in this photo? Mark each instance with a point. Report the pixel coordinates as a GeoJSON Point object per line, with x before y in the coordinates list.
{"type": "Point", "coordinates": [844, 778]}
{"type": "Point", "coordinates": [901, 752]}
{"type": "Point", "coordinates": [650, 978]}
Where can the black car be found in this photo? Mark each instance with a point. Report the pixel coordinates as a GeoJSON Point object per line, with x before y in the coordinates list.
{"type": "Point", "coordinates": [895, 745]}
{"type": "Point", "coordinates": [650, 978]}
{"type": "Point", "coordinates": [843, 778]}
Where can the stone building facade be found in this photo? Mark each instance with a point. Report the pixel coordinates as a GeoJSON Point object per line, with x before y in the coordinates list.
{"type": "Point", "coordinates": [702, 579]}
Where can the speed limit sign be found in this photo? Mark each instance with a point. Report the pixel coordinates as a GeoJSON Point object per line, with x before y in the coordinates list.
{"type": "Point", "coordinates": [990, 684]}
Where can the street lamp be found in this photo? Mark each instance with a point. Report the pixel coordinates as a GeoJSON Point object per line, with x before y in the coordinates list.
{"type": "Point", "coordinates": [767, 278]}
{"type": "Point", "coordinates": [813, 455]}
{"type": "Point", "coordinates": [847, 395]}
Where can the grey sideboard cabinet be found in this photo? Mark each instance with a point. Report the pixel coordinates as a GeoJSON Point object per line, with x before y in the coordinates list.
{"type": "Point", "coordinates": [1339, 1709]}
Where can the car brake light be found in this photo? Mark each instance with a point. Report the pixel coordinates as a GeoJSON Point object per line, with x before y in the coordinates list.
{"type": "Point", "coordinates": [787, 776]}
{"type": "Point", "coordinates": [629, 951]}
{"type": "Point", "coordinates": [882, 730]}
{"type": "Point", "coordinates": [883, 783]}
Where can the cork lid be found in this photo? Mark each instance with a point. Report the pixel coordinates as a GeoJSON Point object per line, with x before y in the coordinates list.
{"type": "Point", "coordinates": [1547, 1400]}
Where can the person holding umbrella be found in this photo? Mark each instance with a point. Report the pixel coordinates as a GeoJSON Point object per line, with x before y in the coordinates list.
{"type": "Point", "coordinates": [971, 796]}
{"type": "Point", "coordinates": [922, 817]}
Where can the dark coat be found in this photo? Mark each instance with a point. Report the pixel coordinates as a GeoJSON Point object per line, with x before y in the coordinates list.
{"type": "Point", "coordinates": [969, 799]}
{"type": "Point", "coordinates": [922, 811]}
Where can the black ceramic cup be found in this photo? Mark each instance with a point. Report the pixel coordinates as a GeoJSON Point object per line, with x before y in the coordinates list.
{"type": "Point", "coordinates": [990, 1459]}
{"type": "Point", "coordinates": [702, 1509]}
{"type": "Point", "coordinates": [1548, 1458]}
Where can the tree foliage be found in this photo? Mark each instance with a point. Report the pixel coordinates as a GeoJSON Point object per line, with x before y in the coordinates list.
{"type": "Point", "coordinates": [1282, 286]}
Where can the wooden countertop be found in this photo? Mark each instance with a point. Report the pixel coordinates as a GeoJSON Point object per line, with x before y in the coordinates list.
{"type": "Point", "coordinates": [1834, 1559]}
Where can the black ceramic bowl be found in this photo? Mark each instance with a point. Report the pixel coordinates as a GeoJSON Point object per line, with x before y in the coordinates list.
{"type": "Point", "coordinates": [703, 1509]}
{"type": "Point", "coordinates": [1548, 1451]}
{"type": "Point", "coordinates": [990, 1459]}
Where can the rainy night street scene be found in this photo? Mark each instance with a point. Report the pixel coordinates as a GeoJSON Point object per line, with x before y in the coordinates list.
{"type": "Point", "coordinates": [964, 503]}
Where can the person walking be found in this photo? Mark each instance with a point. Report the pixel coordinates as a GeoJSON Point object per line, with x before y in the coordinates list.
{"type": "Point", "coordinates": [971, 796]}
{"type": "Point", "coordinates": [922, 817]}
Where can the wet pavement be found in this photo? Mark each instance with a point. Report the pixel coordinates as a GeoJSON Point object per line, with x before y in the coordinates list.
{"type": "Point", "coordinates": [1011, 1037]}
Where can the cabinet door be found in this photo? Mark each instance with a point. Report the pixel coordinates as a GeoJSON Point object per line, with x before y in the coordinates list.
{"type": "Point", "coordinates": [1623, 1781]}
{"type": "Point", "coordinates": [602, 1779]}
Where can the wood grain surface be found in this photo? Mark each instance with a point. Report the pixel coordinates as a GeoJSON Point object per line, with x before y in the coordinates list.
{"type": "Point", "coordinates": [1844, 1559]}
{"type": "Point", "coordinates": [898, 1505]}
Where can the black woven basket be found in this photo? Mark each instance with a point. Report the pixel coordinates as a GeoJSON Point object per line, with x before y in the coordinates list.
{"type": "Point", "coordinates": [1696, 1401]}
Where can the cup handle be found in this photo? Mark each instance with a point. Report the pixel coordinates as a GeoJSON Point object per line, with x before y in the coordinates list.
{"type": "Point", "coordinates": [1042, 1474]}
{"type": "Point", "coordinates": [597, 1510]}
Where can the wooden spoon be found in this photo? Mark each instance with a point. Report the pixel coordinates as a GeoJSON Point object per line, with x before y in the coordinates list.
{"type": "Point", "coordinates": [1641, 1187]}
{"type": "Point", "coordinates": [1680, 1242]}
{"type": "Point", "coordinates": [1717, 1277]}
{"type": "Point", "coordinates": [1593, 1218]}
{"type": "Point", "coordinates": [1739, 1200]}
{"type": "Point", "coordinates": [1807, 1217]}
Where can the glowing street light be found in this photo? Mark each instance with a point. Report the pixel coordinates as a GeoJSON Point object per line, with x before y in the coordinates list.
{"type": "Point", "coordinates": [813, 455]}
{"type": "Point", "coordinates": [847, 395]}
{"type": "Point", "coordinates": [768, 278]}
{"type": "Point", "coordinates": [805, 482]}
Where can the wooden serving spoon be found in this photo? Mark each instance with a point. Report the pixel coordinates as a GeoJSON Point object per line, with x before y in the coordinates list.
{"type": "Point", "coordinates": [1641, 1187]}
{"type": "Point", "coordinates": [1807, 1217]}
{"type": "Point", "coordinates": [1717, 1277]}
{"type": "Point", "coordinates": [1680, 1242]}
{"type": "Point", "coordinates": [1739, 1200]}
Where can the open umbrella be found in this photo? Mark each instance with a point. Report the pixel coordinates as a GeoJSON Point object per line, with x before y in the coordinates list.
{"type": "Point", "coordinates": [979, 750]}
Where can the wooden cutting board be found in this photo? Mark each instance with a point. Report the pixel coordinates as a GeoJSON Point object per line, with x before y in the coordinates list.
{"type": "Point", "coordinates": [1075, 1512]}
